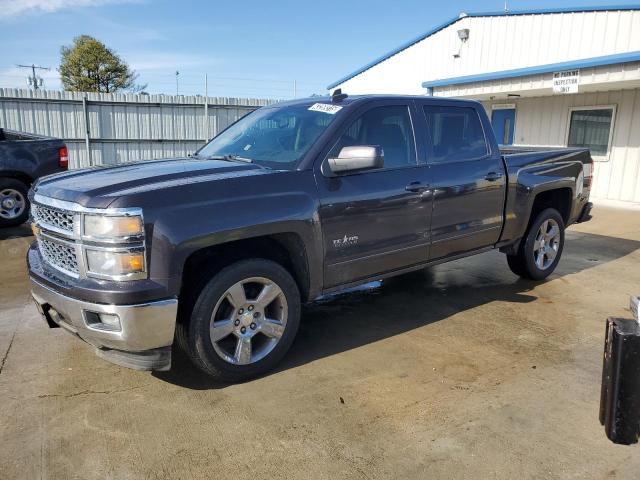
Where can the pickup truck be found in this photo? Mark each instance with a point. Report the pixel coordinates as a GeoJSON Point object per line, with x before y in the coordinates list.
{"type": "Point", "coordinates": [23, 159]}
{"type": "Point", "coordinates": [216, 252]}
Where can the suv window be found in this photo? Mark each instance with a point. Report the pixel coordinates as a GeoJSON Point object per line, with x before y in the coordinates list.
{"type": "Point", "coordinates": [388, 127]}
{"type": "Point", "coordinates": [454, 134]}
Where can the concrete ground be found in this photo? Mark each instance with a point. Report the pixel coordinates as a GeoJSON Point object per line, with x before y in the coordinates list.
{"type": "Point", "coordinates": [463, 372]}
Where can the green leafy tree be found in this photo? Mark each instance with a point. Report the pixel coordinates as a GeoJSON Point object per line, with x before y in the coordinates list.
{"type": "Point", "coordinates": [89, 66]}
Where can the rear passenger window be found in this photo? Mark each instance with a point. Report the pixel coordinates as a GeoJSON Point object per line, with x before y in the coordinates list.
{"type": "Point", "coordinates": [454, 134]}
{"type": "Point", "coordinates": [387, 127]}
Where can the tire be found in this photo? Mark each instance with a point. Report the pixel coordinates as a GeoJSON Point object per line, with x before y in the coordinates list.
{"type": "Point", "coordinates": [220, 311]}
{"type": "Point", "coordinates": [14, 202]}
{"type": "Point", "coordinates": [538, 254]}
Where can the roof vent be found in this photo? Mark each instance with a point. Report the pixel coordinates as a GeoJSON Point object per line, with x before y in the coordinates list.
{"type": "Point", "coordinates": [462, 15]}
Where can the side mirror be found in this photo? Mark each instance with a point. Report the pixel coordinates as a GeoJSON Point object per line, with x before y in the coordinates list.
{"type": "Point", "coordinates": [362, 157]}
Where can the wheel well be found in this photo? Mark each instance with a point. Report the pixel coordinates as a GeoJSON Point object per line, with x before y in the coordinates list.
{"type": "Point", "coordinates": [560, 199]}
{"type": "Point", "coordinates": [24, 178]}
{"type": "Point", "coordinates": [286, 249]}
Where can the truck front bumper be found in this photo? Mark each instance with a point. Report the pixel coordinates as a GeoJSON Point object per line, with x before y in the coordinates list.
{"type": "Point", "coordinates": [142, 340]}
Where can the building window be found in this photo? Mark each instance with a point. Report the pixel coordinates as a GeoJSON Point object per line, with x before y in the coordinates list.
{"type": "Point", "coordinates": [592, 128]}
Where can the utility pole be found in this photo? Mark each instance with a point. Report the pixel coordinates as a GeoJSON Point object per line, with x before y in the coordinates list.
{"type": "Point", "coordinates": [206, 108]}
{"type": "Point", "coordinates": [506, 6]}
{"type": "Point", "coordinates": [34, 80]}
{"type": "Point", "coordinates": [295, 89]}
{"type": "Point", "coordinates": [177, 73]}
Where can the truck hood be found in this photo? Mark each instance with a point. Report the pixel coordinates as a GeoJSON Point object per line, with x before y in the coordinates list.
{"type": "Point", "coordinates": [99, 186]}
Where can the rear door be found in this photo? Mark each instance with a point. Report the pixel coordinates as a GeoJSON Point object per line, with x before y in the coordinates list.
{"type": "Point", "coordinates": [467, 177]}
{"type": "Point", "coordinates": [376, 221]}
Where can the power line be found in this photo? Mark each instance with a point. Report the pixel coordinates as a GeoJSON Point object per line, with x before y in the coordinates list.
{"type": "Point", "coordinates": [34, 81]}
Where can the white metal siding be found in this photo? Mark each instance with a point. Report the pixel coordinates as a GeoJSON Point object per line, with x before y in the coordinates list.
{"type": "Point", "coordinates": [123, 128]}
{"type": "Point", "coordinates": [502, 43]}
{"type": "Point", "coordinates": [544, 121]}
{"type": "Point", "coordinates": [609, 77]}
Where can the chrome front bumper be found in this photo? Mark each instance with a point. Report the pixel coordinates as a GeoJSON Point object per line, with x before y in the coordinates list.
{"type": "Point", "coordinates": [144, 327]}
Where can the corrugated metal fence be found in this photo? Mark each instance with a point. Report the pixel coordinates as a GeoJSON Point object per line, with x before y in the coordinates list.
{"type": "Point", "coordinates": [108, 128]}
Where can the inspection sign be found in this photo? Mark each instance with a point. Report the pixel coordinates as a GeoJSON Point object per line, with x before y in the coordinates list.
{"type": "Point", "coordinates": [566, 82]}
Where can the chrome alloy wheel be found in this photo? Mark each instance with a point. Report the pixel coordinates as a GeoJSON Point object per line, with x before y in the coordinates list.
{"type": "Point", "coordinates": [547, 243]}
{"type": "Point", "coordinates": [248, 321]}
{"type": "Point", "coordinates": [12, 203]}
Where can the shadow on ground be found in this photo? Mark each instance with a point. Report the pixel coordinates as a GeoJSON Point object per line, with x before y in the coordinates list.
{"type": "Point", "coordinates": [380, 310]}
{"type": "Point", "coordinates": [20, 231]}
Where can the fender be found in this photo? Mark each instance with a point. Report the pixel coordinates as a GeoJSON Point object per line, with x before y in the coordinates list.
{"type": "Point", "coordinates": [179, 232]}
{"type": "Point", "coordinates": [525, 183]}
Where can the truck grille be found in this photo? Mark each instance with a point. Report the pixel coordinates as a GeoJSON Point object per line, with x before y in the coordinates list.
{"type": "Point", "coordinates": [59, 255]}
{"type": "Point", "coordinates": [48, 216]}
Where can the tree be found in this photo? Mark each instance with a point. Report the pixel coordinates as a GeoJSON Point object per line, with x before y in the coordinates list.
{"type": "Point", "coordinates": [89, 66]}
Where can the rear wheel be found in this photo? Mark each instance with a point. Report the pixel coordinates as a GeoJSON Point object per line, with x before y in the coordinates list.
{"type": "Point", "coordinates": [541, 248]}
{"type": "Point", "coordinates": [244, 320]}
{"type": "Point", "coordinates": [14, 204]}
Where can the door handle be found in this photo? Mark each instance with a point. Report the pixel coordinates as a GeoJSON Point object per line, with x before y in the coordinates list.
{"type": "Point", "coordinates": [416, 187]}
{"type": "Point", "coordinates": [493, 176]}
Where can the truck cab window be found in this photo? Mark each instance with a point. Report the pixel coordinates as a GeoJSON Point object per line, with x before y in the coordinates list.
{"type": "Point", "coordinates": [388, 127]}
{"type": "Point", "coordinates": [454, 134]}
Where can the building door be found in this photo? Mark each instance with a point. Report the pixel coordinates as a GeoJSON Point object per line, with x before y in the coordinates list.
{"type": "Point", "coordinates": [376, 220]}
{"type": "Point", "coordinates": [503, 121]}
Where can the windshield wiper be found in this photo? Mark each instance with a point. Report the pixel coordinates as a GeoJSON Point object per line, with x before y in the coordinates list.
{"type": "Point", "coordinates": [230, 158]}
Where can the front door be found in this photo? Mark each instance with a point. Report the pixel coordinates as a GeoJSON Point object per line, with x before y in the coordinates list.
{"type": "Point", "coordinates": [467, 178]}
{"type": "Point", "coordinates": [376, 221]}
{"type": "Point", "coordinates": [503, 121]}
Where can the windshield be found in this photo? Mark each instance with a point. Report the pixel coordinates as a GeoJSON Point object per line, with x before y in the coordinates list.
{"type": "Point", "coordinates": [274, 137]}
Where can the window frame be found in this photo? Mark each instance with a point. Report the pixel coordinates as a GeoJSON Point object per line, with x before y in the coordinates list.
{"type": "Point", "coordinates": [349, 121]}
{"type": "Point", "coordinates": [613, 108]}
{"type": "Point", "coordinates": [429, 143]}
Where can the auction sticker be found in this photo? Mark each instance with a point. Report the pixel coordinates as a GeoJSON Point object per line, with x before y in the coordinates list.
{"type": "Point", "coordinates": [325, 107]}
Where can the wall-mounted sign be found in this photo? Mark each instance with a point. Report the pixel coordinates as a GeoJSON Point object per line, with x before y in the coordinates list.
{"type": "Point", "coordinates": [566, 82]}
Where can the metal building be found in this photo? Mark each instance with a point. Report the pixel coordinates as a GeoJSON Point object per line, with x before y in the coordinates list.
{"type": "Point", "coordinates": [554, 77]}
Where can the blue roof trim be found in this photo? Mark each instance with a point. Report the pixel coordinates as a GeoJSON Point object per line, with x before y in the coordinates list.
{"type": "Point", "coordinates": [442, 26]}
{"type": "Point", "coordinates": [537, 70]}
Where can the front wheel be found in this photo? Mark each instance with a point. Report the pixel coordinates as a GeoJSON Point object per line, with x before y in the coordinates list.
{"type": "Point", "coordinates": [244, 320]}
{"type": "Point", "coordinates": [541, 248]}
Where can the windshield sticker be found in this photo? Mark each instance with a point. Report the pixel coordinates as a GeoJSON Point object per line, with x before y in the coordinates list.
{"type": "Point", "coordinates": [326, 108]}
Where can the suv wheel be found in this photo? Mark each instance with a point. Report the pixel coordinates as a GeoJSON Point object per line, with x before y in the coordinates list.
{"type": "Point", "coordinates": [14, 204]}
{"type": "Point", "coordinates": [244, 320]}
{"type": "Point", "coordinates": [541, 248]}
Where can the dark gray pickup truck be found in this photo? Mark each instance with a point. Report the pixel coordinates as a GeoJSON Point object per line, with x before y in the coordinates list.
{"type": "Point", "coordinates": [217, 251]}
{"type": "Point", "coordinates": [24, 158]}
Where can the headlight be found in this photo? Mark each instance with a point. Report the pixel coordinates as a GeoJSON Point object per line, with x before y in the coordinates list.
{"type": "Point", "coordinates": [115, 265]}
{"type": "Point", "coordinates": [112, 227]}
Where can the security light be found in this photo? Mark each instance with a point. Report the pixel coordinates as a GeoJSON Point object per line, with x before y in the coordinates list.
{"type": "Point", "coordinates": [463, 34]}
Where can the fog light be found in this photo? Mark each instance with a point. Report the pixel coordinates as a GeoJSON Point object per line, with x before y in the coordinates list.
{"type": "Point", "coordinates": [103, 321]}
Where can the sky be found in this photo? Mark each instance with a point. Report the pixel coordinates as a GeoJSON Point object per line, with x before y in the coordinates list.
{"type": "Point", "coordinates": [247, 48]}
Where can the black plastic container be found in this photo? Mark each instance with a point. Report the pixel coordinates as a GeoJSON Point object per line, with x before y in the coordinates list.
{"type": "Point", "coordinates": [620, 394]}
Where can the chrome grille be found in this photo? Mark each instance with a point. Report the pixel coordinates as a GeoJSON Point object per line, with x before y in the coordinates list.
{"type": "Point", "coordinates": [54, 217]}
{"type": "Point", "coordinates": [59, 255]}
